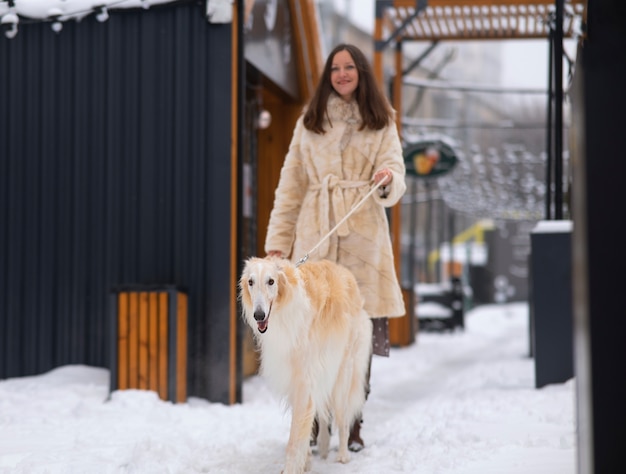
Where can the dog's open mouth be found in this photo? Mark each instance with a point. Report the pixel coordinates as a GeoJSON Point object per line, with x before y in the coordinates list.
{"type": "Point", "coordinates": [262, 319]}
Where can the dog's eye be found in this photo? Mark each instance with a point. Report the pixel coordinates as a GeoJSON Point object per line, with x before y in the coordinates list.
{"type": "Point", "coordinates": [270, 282]}
{"type": "Point", "coordinates": [250, 282]}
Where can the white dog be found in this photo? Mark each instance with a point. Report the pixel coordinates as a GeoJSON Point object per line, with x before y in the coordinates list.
{"type": "Point", "coordinates": [315, 341]}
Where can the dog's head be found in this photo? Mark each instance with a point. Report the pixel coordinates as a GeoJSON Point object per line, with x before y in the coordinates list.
{"type": "Point", "coordinates": [264, 283]}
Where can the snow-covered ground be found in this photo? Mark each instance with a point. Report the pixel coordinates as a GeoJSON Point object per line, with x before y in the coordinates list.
{"type": "Point", "coordinates": [461, 403]}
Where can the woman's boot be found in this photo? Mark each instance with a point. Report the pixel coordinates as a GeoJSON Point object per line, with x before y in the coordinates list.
{"type": "Point", "coordinates": [355, 443]}
{"type": "Point", "coordinates": [314, 432]}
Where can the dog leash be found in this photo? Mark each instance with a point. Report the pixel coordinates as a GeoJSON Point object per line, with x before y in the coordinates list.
{"type": "Point", "coordinates": [330, 232]}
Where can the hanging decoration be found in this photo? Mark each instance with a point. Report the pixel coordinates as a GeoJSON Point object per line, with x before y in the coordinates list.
{"type": "Point", "coordinates": [16, 12]}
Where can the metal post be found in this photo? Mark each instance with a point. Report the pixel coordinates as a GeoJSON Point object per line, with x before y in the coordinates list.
{"type": "Point", "coordinates": [428, 230]}
{"type": "Point", "coordinates": [548, 197]}
{"type": "Point", "coordinates": [411, 259]}
{"type": "Point", "coordinates": [558, 109]}
{"type": "Point", "coordinates": [451, 240]}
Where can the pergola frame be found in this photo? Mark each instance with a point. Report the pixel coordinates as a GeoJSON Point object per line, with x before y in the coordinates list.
{"type": "Point", "coordinates": [458, 20]}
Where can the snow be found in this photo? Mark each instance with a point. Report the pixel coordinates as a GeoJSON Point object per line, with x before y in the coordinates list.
{"type": "Point", "coordinates": [70, 9]}
{"type": "Point", "coordinates": [551, 227]}
{"type": "Point", "coordinates": [457, 403]}
{"type": "Point", "coordinates": [429, 309]}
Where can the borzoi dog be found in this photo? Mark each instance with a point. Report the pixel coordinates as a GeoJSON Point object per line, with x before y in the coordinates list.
{"type": "Point", "coordinates": [315, 341]}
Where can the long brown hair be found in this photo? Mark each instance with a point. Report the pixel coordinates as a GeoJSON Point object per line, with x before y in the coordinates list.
{"type": "Point", "coordinates": [376, 112]}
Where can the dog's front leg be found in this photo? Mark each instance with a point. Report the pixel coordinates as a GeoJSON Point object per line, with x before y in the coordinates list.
{"type": "Point", "coordinates": [298, 447]}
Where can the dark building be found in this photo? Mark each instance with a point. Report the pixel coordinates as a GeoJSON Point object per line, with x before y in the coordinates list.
{"type": "Point", "coordinates": [116, 169]}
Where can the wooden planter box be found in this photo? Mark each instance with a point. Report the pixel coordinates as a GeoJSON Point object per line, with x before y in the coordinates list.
{"type": "Point", "coordinates": [150, 341]}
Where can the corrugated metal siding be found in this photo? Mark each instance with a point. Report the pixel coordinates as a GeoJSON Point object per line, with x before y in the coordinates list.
{"type": "Point", "coordinates": [114, 170]}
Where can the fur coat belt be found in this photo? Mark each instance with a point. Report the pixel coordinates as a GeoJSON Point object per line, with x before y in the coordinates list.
{"type": "Point", "coordinates": [331, 193]}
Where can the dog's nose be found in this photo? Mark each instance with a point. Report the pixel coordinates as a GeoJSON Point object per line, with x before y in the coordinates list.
{"type": "Point", "coordinates": [259, 315]}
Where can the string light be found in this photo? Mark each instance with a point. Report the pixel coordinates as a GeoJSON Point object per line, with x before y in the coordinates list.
{"type": "Point", "coordinates": [56, 16]}
{"type": "Point", "coordinates": [103, 14]}
{"type": "Point", "coordinates": [9, 24]}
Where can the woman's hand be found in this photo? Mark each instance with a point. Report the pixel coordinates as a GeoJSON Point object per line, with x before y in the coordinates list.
{"type": "Point", "coordinates": [383, 176]}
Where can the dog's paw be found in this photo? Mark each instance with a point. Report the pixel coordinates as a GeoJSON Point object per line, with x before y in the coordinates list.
{"type": "Point", "coordinates": [291, 468]}
{"type": "Point", "coordinates": [343, 457]}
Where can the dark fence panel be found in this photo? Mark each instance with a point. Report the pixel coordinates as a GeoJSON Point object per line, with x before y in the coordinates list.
{"type": "Point", "coordinates": [115, 144]}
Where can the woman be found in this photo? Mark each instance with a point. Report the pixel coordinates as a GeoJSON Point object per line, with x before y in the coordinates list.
{"type": "Point", "coordinates": [345, 142]}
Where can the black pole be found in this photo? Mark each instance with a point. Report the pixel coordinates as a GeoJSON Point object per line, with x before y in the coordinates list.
{"type": "Point", "coordinates": [441, 230]}
{"type": "Point", "coordinates": [412, 227]}
{"type": "Point", "coordinates": [451, 240]}
{"type": "Point", "coordinates": [548, 197]}
{"type": "Point", "coordinates": [558, 113]}
{"type": "Point", "coordinates": [428, 230]}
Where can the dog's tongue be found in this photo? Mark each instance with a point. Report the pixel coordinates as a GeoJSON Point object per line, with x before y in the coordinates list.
{"type": "Point", "coordinates": [262, 325]}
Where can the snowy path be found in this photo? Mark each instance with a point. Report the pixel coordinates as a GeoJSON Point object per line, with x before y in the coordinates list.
{"type": "Point", "coordinates": [461, 403]}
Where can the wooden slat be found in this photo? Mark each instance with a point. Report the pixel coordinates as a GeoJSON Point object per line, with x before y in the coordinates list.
{"type": "Point", "coordinates": [306, 35]}
{"type": "Point", "coordinates": [472, 15]}
{"type": "Point", "coordinates": [513, 24]}
{"type": "Point", "coordinates": [490, 21]}
{"type": "Point", "coordinates": [122, 341]}
{"type": "Point", "coordinates": [439, 15]}
{"type": "Point", "coordinates": [316, 59]}
{"type": "Point", "coordinates": [400, 329]}
{"type": "Point", "coordinates": [163, 348]}
{"type": "Point", "coordinates": [454, 18]}
{"type": "Point", "coordinates": [133, 340]}
{"type": "Point", "coordinates": [153, 341]}
{"type": "Point", "coordinates": [503, 24]}
{"type": "Point", "coordinates": [143, 341]}
{"type": "Point", "coordinates": [181, 348]}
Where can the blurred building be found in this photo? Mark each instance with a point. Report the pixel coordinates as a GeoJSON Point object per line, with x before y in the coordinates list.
{"type": "Point", "coordinates": [452, 91]}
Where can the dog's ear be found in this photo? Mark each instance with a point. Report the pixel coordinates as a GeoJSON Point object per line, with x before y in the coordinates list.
{"type": "Point", "coordinates": [244, 295]}
{"type": "Point", "coordinates": [287, 280]}
{"type": "Point", "coordinates": [244, 274]}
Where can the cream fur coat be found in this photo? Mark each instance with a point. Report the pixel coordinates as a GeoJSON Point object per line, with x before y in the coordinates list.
{"type": "Point", "coordinates": [322, 178]}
